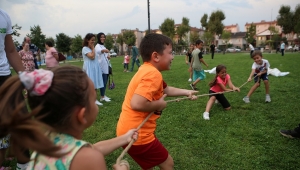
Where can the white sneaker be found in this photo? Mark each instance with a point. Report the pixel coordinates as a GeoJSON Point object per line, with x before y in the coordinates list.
{"type": "Point", "coordinates": [190, 80]}
{"type": "Point", "coordinates": [206, 115]}
{"type": "Point", "coordinates": [104, 99]}
{"type": "Point", "coordinates": [98, 103]}
{"type": "Point", "coordinates": [268, 99]}
{"type": "Point", "coordinates": [107, 97]}
{"type": "Point", "coordinates": [246, 99]}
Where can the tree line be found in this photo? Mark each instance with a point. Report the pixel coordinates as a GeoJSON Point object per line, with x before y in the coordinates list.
{"type": "Point", "coordinates": [212, 25]}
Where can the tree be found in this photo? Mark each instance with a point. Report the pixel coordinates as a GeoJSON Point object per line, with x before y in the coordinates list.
{"type": "Point", "coordinates": [129, 37]}
{"type": "Point", "coordinates": [194, 36]}
{"type": "Point", "coordinates": [167, 28]}
{"type": "Point", "coordinates": [250, 34]}
{"type": "Point", "coordinates": [297, 20]}
{"type": "Point", "coordinates": [120, 40]}
{"type": "Point", "coordinates": [285, 19]}
{"type": "Point", "coordinates": [215, 25]}
{"type": "Point", "coordinates": [63, 42]}
{"type": "Point", "coordinates": [203, 21]}
{"type": "Point", "coordinates": [76, 46]}
{"type": "Point", "coordinates": [183, 28]}
{"type": "Point", "coordinates": [226, 35]}
{"type": "Point", "coordinates": [37, 37]}
{"type": "Point", "coordinates": [273, 31]}
{"type": "Point", "coordinates": [109, 42]}
{"type": "Point", "coordinates": [15, 28]}
{"type": "Point", "coordinates": [207, 37]}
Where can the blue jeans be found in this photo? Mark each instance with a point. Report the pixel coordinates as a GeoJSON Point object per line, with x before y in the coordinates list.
{"type": "Point", "coordinates": [105, 79]}
{"type": "Point", "coordinates": [134, 60]}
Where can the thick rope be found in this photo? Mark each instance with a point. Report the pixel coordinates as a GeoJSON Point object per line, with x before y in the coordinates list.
{"type": "Point", "coordinates": [175, 100]}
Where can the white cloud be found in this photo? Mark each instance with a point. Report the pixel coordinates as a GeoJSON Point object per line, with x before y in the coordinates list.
{"type": "Point", "coordinates": [110, 16]}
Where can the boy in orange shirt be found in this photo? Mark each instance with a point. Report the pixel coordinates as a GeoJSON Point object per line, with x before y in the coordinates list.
{"type": "Point", "coordinates": [145, 94]}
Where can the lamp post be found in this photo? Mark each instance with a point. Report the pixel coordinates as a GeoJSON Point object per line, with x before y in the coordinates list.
{"type": "Point", "coordinates": [148, 4]}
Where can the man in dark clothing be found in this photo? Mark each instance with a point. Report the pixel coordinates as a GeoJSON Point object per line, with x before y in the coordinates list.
{"type": "Point", "coordinates": [134, 56]}
{"type": "Point", "coordinates": [212, 50]}
{"type": "Point", "coordinates": [33, 48]}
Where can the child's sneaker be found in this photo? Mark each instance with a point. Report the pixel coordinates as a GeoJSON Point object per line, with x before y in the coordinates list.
{"type": "Point", "coordinates": [206, 115]}
{"type": "Point", "coordinates": [190, 80]}
{"type": "Point", "coordinates": [268, 99]}
{"type": "Point", "coordinates": [246, 99]}
{"type": "Point", "coordinates": [192, 86]}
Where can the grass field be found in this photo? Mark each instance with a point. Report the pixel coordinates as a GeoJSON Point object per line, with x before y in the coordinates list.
{"type": "Point", "coordinates": [246, 137]}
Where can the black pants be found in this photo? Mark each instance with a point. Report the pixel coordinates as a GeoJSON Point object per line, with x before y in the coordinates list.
{"type": "Point", "coordinates": [3, 79]}
{"type": "Point", "coordinates": [251, 53]}
{"type": "Point", "coordinates": [35, 63]}
{"type": "Point", "coordinates": [212, 54]}
{"type": "Point", "coordinates": [282, 52]}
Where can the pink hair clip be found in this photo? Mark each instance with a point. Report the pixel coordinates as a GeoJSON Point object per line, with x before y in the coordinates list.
{"type": "Point", "coordinates": [37, 81]}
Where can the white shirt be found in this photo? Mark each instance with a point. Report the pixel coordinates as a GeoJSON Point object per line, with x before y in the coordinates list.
{"type": "Point", "coordinates": [261, 67]}
{"type": "Point", "coordinates": [102, 58]}
{"type": "Point", "coordinates": [5, 29]}
{"type": "Point", "coordinates": [251, 47]}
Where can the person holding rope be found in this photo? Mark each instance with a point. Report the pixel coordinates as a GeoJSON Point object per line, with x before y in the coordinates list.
{"type": "Point", "coordinates": [145, 97]}
{"type": "Point", "coordinates": [259, 71]}
{"type": "Point", "coordinates": [218, 85]}
{"type": "Point", "coordinates": [53, 129]}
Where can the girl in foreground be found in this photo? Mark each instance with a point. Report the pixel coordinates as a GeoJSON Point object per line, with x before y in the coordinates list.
{"type": "Point", "coordinates": [62, 104]}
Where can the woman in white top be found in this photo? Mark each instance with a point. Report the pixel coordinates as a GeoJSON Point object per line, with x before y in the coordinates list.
{"type": "Point", "coordinates": [103, 58]}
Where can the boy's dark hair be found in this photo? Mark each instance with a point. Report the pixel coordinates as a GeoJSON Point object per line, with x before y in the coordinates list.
{"type": "Point", "coordinates": [255, 53]}
{"type": "Point", "coordinates": [198, 42]}
{"type": "Point", "coordinates": [49, 43]}
{"type": "Point", "coordinates": [153, 43]}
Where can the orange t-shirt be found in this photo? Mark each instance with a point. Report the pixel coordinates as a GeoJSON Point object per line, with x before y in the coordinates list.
{"type": "Point", "coordinates": [147, 82]}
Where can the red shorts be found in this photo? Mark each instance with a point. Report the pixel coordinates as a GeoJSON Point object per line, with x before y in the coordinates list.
{"type": "Point", "coordinates": [148, 155]}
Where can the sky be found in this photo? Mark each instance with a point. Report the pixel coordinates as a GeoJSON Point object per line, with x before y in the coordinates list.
{"type": "Point", "coordinates": [74, 17]}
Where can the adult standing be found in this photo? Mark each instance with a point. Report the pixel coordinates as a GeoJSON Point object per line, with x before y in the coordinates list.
{"type": "Point", "coordinates": [51, 57]}
{"type": "Point", "coordinates": [8, 56]}
{"type": "Point", "coordinates": [251, 49]}
{"type": "Point", "coordinates": [103, 59]}
{"type": "Point", "coordinates": [90, 62]}
{"type": "Point", "coordinates": [282, 47]}
{"type": "Point", "coordinates": [134, 56]}
{"type": "Point", "coordinates": [27, 58]}
{"type": "Point", "coordinates": [33, 48]}
{"type": "Point", "coordinates": [188, 59]}
{"type": "Point", "coordinates": [212, 49]}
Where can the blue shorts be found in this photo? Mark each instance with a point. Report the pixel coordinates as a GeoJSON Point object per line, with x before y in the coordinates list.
{"type": "Point", "coordinates": [198, 74]}
{"type": "Point", "coordinates": [263, 76]}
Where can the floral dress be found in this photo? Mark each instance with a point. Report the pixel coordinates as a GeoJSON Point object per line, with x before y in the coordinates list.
{"type": "Point", "coordinates": [27, 60]}
{"type": "Point", "coordinates": [67, 143]}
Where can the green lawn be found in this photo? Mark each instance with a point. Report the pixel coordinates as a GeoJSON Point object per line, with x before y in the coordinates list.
{"type": "Point", "coordinates": [246, 137]}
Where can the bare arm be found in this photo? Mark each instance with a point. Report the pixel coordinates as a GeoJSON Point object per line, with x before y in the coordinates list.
{"type": "Point", "coordinates": [173, 91]}
{"type": "Point", "coordinates": [186, 58]}
{"type": "Point", "coordinates": [55, 55]}
{"type": "Point", "coordinates": [251, 74]}
{"type": "Point", "coordinates": [232, 87]}
{"type": "Point", "coordinates": [12, 54]}
{"type": "Point", "coordinates": [202, 61]}
{"type": "Point", "coordinates": [105, 51]}
{"type": "Point", "coordinates": [91, 55]}
{"type": "Point", "coordinates": [141, 104]}
{"type": "Point", "coordinates": [108, 146]}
